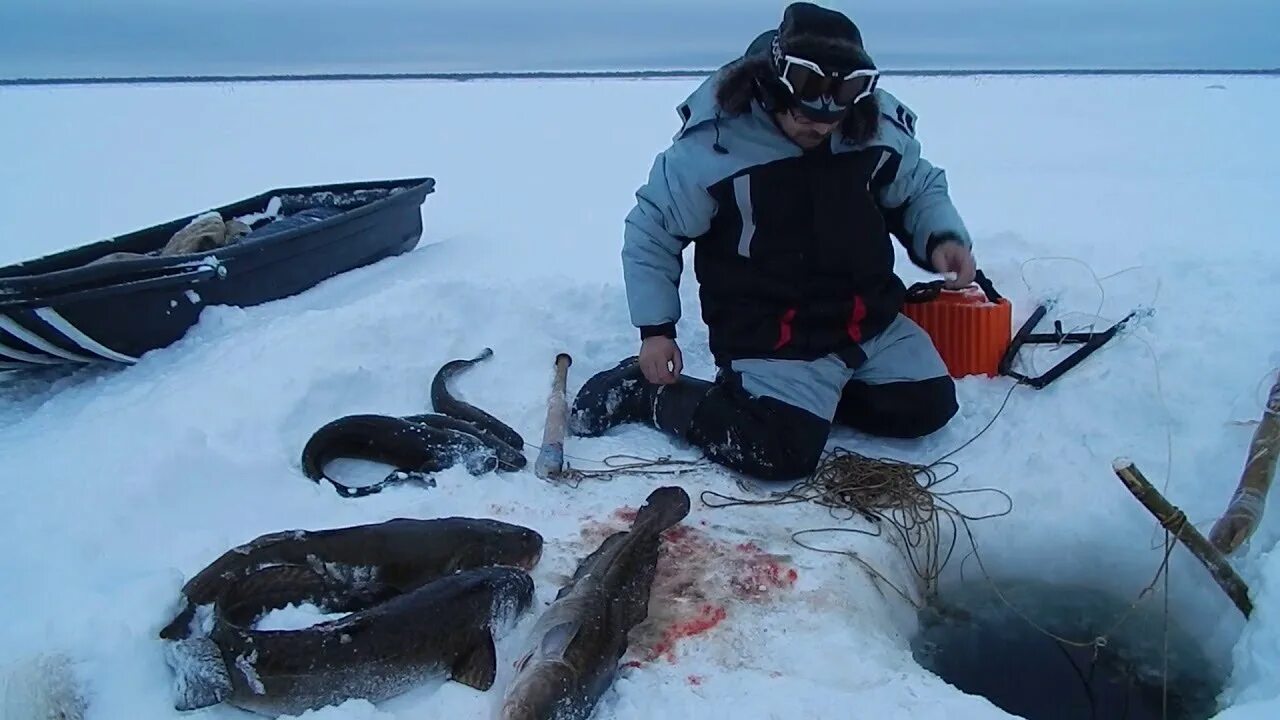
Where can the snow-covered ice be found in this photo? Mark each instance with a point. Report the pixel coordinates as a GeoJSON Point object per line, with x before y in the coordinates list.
{"type": "Point", "coordinates": [1105, 194]}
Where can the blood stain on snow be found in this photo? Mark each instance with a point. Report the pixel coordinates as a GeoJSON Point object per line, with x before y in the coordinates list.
{"type": "Point", "coordinates": [762, 576]}
{"type": "Point", "coordinates": [697, 579]}
{"type": "Point", "coordinates": [708, 616]}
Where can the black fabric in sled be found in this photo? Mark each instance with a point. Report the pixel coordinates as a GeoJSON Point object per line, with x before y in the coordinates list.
{"type": "Point", "coordinates": [299, 219]}
{"type": "Point", "coordinates": [82, 305]}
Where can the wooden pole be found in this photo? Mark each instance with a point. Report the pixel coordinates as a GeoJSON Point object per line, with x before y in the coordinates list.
{"type": "Point", "coordinates": [1173, 520]}
{"type": "Point", "coordinates": [1244, 512]}
{"type": "Point", "coordinates": [550, 462]}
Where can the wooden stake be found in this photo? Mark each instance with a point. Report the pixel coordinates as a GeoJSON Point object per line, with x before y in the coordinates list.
{"type": "Point", "coordinates": [550, 462]}
{"type": "Point", "coordinates": [1244, 512]}
{"type": "Point", "coordinates": [1173, 520]}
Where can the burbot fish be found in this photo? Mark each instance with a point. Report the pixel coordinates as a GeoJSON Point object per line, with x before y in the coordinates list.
{"type": "Point", "coordinates": [390, 643]}
{"type": "Point", "coordinates": [399, 554]}
{"type": "Point", "coordinates": [574, 648]}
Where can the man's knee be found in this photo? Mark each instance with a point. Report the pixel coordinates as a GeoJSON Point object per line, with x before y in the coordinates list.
{"type": "Point", "coordinates": [797, 438]}
{"type": "Point", "coordinates": [791, 441]}
{"type": "Point", "coordinates": [899, 409]}
{"type": "Point", "coordinates": [936, 406]}
{"type": "Point", "coordinates": [760, 436]}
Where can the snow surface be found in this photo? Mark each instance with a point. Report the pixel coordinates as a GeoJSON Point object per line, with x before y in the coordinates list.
{"type": "Point", "coordinates": [120, 485]}
{"type": "Point", "coordinates": [295, 617]}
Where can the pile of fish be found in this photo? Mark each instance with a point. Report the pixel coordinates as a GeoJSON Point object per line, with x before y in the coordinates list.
{"type": "Point", "coordinates": [424, 600]}
{"type": "Point", "coordinates": [423, 597]}
{"type": "Point", "coordinates": [417, 600]}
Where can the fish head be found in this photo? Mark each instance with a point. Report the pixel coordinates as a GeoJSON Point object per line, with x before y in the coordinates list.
{"type": "Point", "coordinates": [511, 590]}
{"type": "Point", "coordinates": [493, 542]}
{"type": "Point", "coordinates": [543, 688]}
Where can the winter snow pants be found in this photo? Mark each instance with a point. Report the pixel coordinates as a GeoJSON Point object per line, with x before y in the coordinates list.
{"type": "Point", "coordinates": [770, 419]}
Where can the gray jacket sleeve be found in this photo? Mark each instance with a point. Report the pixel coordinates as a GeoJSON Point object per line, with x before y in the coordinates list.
{"type": "Point", "coordinates": [672, 207]}
{"type": "Point", "coordinates": [913, 192]}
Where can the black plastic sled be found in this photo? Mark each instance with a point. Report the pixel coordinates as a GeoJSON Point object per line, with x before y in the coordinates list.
{"type": "Point", "coordinates": [114, 300]}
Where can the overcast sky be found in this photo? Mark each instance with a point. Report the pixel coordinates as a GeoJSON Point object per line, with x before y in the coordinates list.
{"type": "Point", "coordinates": [60, 38]}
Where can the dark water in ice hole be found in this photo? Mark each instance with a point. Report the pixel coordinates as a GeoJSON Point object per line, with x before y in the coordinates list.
{"type": "Point", "coordinates": [982, 647]}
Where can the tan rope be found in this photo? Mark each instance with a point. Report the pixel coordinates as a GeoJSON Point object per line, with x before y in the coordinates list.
{"type": "Point", "coordinates": [888, 493]}
{"type": "Point", "coordinates": [636, 465]}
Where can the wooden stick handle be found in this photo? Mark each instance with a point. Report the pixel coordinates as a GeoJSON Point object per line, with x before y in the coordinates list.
{"type": "Point", "coordinates": [1173, 520]}
{"type": "Point", "coordinates": [550, 462]}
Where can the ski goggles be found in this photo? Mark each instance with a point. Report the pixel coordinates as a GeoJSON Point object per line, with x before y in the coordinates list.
{"type": "Point", "coordinates": [821, 96]}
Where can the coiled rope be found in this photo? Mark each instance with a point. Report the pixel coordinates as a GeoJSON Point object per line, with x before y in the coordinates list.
{"type": "Point", "coordinates": [889, 493]}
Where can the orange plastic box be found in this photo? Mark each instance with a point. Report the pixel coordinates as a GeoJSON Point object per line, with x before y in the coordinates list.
{"type": "Point", "coordinates": [971, 332]}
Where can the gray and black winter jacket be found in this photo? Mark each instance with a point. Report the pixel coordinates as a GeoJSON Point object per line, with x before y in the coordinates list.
{"type": "Point", "coordinates": [792, 249]}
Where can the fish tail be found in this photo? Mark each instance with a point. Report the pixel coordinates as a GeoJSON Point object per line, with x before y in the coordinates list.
{"type": "Point", "coordinates": [200, 675]}
{"type": "Point", "coordinates": [664, 507]}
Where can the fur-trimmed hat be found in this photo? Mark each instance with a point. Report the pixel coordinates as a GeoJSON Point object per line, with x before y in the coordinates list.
{"type": "Point", "coordinates": [826, 37]}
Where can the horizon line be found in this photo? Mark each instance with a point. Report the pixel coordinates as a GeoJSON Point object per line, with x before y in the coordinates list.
{"type": "Point", "coordinates": [580, 74]}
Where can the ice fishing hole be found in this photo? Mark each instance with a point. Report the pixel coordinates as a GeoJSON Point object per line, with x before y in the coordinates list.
{"type": "Point", "coordinates": [979, 644]}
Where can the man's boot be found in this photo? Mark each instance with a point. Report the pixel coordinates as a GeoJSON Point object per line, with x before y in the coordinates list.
{"type": "Point", "coordinates": [612, 397]}
{"type": "Point", "coordinates": [623, 395]}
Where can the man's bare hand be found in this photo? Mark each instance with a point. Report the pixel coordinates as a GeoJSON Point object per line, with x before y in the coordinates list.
{"type": "Point", "coordinates": [660, 360]}
{"type": "Point", "coordinates": [952, 257]}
